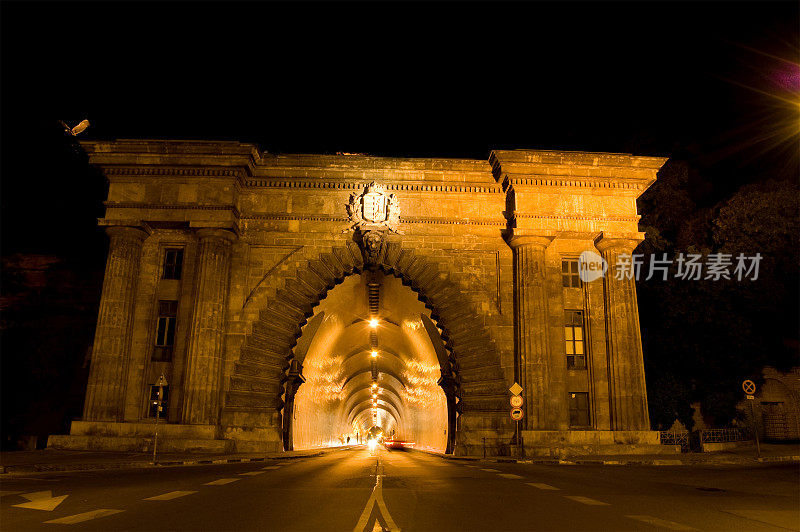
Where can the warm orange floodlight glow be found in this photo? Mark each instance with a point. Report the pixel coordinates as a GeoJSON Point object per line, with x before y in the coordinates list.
{"type": "Point", "coordinates": [374, 396]}
{"type": "Point", "coordinates": [374, 385]}
{"type": "Point", "coordinates": [374, 354]}
{"type": "Point", "coordinates": [373, 322]}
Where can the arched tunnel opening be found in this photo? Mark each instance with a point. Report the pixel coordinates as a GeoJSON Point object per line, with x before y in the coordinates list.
{"type": "Point", "coordinates": [369, 361]}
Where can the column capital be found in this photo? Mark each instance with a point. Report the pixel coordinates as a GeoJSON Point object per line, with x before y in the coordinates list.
{"type": "Point", "coordinates": [517, 239]}
{"type": "Point", "coordinates": [625, 242]}
{"type": "Point", "coordinates": [215, 233]}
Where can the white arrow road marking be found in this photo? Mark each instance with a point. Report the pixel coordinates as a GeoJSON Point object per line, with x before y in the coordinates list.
{"type": "Point", "coordinates": [541, 486]}
{"type": "Point", "coordinates": [272, 467]}
{"type": "Point", "coordinates": [86, 516]}
{"type": "Point", "coordinates": [649, 519]}
{"type": "Point", "coordinates": [508, 475]}
{"type": "Point", "coordinates": [376, 498]}
{"type": "Point", "coordinates": [252, 473]}
{"type": "Point", "coordinates": [41, 500]}
{"type": "Point", "coordinates": [169, 496]}
{"type": "Point", "coordinates": [586, 500]}
{"type": "Point", "coordinates": [221, 481]}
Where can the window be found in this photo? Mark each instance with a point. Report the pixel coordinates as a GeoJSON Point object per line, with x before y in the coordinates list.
{"type": "Point", "coordinates": [569, 273]}
{"type": "Point", "coordinates": [165, 331]}
{"type": "Point", "coordinates": [173, 264]}
{"type": "Point", "coordinates": [154, 402]}
{"type": "Point", "coordinates": [578, 409]}
{"type": "Point", "coordinates": [573, 338]}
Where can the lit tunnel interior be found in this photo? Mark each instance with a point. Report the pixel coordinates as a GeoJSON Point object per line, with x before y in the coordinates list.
{"type": "Point", "coordinates": [370, 357]}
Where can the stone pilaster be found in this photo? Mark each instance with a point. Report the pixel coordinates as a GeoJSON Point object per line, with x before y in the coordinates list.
{"type": "Point", "coordinates": [203, 373]}
{"type": "Point", "coordinates": [112, 340]}
{"type": "Point", "coordinates": [531, 358]}
{"type": "Point", "coordinates": [627, 392]}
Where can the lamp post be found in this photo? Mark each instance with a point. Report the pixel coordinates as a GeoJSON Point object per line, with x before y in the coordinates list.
{"type": "Point", "coordinates": [161, 383]}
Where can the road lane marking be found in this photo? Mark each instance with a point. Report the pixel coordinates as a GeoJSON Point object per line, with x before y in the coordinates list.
{"type": "Point", "coordinates": [490, 470]}
{"type": "Point", "coordinates": [586, 500]}
{"type": "Point", "coordinates": [376, 498]}
{"type": "Point", "coordinates": [272, 467]}
{"type": "Point", "coordinates": [541, 486]}
{"type": "Point", "coordinates": [221, 481]}
{"type": "Point", "coordinates": [650, 520]}
{"type": "Point", "coordinates": [85, 516]}
{"type": "Point", "coordinates": [780, 518]}
{"type": "Point", "coordinates": [252, 473]}
{"type": "Point", "coordinates": [169, 496]}
{"type": "Point", "coordinates": [508, 475]}
{"type": "Point", "coordinates": [41, 500]}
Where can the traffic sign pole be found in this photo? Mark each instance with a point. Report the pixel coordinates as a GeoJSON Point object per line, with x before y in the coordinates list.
{"type": "Point", "coordinates": [749, 388]}
{"type": "Point", "coordinates": [517, 414]}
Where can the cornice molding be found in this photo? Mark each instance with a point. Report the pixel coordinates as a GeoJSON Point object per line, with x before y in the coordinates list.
{"type": "Point", "coordinates": [182, 171]}
{"type": "Point", "coordinates": [339, 185]}
{"type": "Point", "coordinates": [166, 206]}
{"type": "Point", "coordinates": [574, 182]}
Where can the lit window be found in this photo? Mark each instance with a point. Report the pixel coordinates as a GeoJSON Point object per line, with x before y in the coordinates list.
{"type": "Point", "coordinates": [574, 341]}
{"type": "Point", "coordinates": [173, 264]}
{"type": "Point", "coordinates": [578, 409]}
{"type": "Point", "coordinates": [165, 331]}
{"type": "Point", "coordinates": [569, 273]}
{"type": "Point", "coordinates": [151, 411]}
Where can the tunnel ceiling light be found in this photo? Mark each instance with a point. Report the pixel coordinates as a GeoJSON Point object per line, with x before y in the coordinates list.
{"type": "Point", "coordinates": [373, 322]}
{"type": "Point", "coordinates": [374, 354]}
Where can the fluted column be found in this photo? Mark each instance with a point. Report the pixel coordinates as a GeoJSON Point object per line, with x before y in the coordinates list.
{"type": "Point", "coordinates": [112, 338]}
{"type": "Point", "coordinates": [627, 392]}
{"type": "Point", "coordinates": [202, 384]}
{"type": "Point", "coordinates": [531, 357]}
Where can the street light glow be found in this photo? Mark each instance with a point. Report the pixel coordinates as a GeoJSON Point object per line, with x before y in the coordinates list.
{"type": "Point", "coordinates": [374, 354]}
{"type": "Point", "coordinates": [373, 322]}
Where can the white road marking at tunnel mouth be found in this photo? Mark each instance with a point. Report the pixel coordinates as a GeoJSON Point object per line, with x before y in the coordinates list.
{"type": "Point", "coordinates": [41, 500]}
{"type": "Point", "coordinates": [541, 486]}
{"type": "Point", "coordinates": [85, 516]}
{"type": "Point", "coordinates": [252, 473]}
{"type": "Point", "coordinates": [490, 470]}
{"type": "Point", "coordinates": [221, 481]}
{"type": "Point", "coordinates": [509, 475]}
{"type": "Point", "coordinates": [271, 467]}
{"type": "Point", "coordinates": [650, 520]}
{"type": "Point", "coordinates": [169, 496]}
{"type": "Point", "coordinates": [586, 500]}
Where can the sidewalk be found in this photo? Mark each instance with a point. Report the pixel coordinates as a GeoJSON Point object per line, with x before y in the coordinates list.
{"type": "Point", "coordinates": [60, 460]}
{"type": "Point", "coordinates": [770, 453]}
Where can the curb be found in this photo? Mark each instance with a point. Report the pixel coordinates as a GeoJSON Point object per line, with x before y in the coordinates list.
{"type": "Point", "coordinates": [622, 462]}
{"type": "Point", "coordinates": [47, 468]}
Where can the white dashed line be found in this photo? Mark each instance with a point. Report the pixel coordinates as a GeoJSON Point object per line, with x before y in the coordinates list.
{"type": "Point", "coordinates": [540, 486]}
{"type": "Point", "coordinates": [86, 516]}
{"type": "Point", "coordinates": [169, 496]}
{"type": "Point", "coordinates": [221, 481]}
{"type": "Point", "coordinates": [252, 473]}
{"type": "Point", "coordinates": [672, 525]}
{"type": "Point", "coordinates": [271, 467]}
{"type": "Point", "coordinates": [586, 500]}
{"type": "Point", "coordinates": [508, 475]}
{"type": "Point", "coordinates": [491, 470]}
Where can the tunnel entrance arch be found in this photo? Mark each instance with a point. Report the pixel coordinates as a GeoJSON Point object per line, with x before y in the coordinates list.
{"type": "Point", "coordinates": [267, 377]}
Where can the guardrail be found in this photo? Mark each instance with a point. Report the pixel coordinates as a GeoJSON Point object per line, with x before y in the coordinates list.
{"type": "Point", "coordinates": [693, 441]}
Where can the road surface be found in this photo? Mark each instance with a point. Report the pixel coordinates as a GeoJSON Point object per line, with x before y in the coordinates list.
{"type": "Point", "coordinates": [357, 489]}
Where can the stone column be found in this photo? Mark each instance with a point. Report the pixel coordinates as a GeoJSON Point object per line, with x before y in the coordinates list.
{"type": "Point", "coordinates": [627, 392]}
{"type": "Point", "coordinates": [203, 372]}
{"type": "Point", "coordinates": [112, 339]}
{"type": "Point", "coordinates": [531, 356]}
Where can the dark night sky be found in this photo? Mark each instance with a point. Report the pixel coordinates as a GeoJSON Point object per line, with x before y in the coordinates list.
{"type": "Point", "coordinates": [444, 80]}
{"type": "Point", "coordinates": [441, 80]}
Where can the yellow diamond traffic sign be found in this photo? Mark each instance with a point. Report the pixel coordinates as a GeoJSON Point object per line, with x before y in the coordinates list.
{"type": "Point", "coordinates": [515, 389]}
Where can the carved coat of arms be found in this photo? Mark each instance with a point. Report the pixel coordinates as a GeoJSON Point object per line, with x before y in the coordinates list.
{"type": "Point", "coordinates": [374, 209]}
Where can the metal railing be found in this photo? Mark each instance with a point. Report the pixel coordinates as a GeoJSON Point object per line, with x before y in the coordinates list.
{"type": "Point", "coordinates": [681, 438]}
{"type": "Point", "coordinates": [725, 435]}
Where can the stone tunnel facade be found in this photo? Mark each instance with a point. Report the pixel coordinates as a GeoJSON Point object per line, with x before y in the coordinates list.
{"type": "Point", "coordinates": [220, 256]}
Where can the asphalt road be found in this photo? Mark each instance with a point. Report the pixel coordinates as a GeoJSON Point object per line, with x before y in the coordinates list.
{"type": "Point", "coordinates": [359, 490]}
